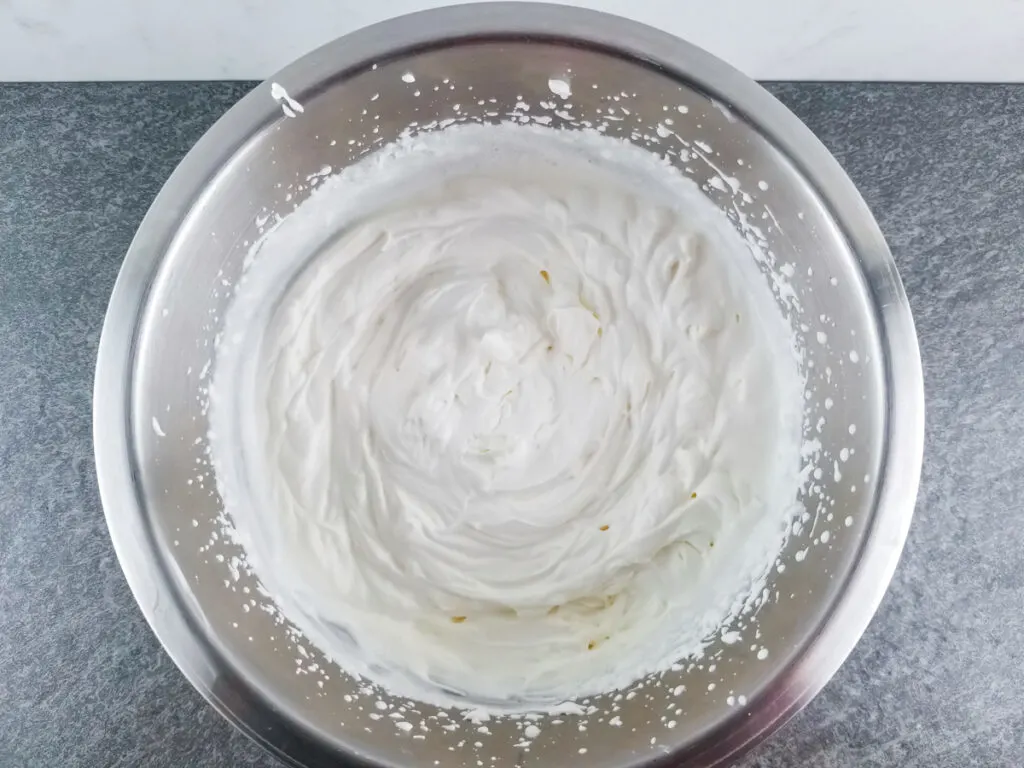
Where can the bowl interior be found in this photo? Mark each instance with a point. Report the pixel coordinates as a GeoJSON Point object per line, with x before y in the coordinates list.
{"type": "Point", "coordinates": [280, 162]}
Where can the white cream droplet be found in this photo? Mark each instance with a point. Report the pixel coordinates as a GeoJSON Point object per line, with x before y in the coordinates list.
{"type": "Point", "coordinates": [560, 88]}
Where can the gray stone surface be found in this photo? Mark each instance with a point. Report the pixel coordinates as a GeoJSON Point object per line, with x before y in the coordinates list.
{"type": "Point", "coordinates": [937, 681]}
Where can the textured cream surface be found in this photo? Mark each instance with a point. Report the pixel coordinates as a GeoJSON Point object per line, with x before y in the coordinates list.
{"type": "Point", "coordinates": [508, 414]}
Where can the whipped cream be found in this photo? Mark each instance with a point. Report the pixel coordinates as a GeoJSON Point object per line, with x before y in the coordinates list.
{"type": "Point", "coordinates": [505, 416]}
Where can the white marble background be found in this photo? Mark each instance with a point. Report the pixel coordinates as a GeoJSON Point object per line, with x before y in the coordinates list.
{"type": "Point", "coordinates": [964, 40]}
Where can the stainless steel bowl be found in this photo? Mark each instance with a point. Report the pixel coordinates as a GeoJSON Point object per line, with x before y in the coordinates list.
{"type": "Point", "coordinates": [165, 311]}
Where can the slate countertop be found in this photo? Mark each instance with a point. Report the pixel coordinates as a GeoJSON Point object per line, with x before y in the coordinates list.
{"type": "Point", "coordinates": [938, 679]}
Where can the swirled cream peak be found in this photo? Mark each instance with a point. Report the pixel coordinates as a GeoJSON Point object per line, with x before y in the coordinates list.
{"type": "Point", "coordinates": [507, 416]}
